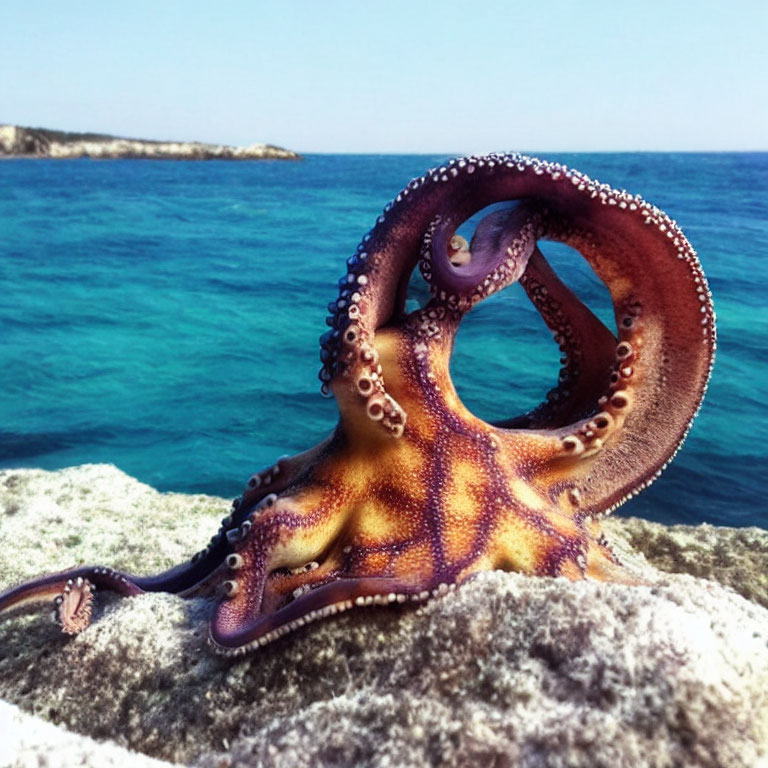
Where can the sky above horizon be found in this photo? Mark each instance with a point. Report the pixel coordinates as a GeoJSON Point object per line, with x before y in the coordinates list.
{"type": "Point", "coordinates": [402, 76]}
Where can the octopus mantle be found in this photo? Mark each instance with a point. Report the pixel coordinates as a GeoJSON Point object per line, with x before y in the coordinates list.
{"type": "Point", "coordinates": [412, 493]}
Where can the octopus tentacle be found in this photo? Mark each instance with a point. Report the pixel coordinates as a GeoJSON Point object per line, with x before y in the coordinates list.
{"type": "Point", "coordinates": [74, 606]}
{"type": "Point", "coordinates": [641, 255]}
{"type": "Point", "coordinates": [282, 538]}
{"type": "Point", "coordinates": [281, 475]}
{"type": "Point", "coordinates": [181, 579]}
{"type": "Point", "coordinates": [327, 600]}
{"type": "Point", "coordinates": [71, 592]}
{"type": "Point", "coordinates": [497, 256]}
{"type": "Point", "coordinates": [587, 349]}
{"type": "Point", "coordinates": [664, 351]}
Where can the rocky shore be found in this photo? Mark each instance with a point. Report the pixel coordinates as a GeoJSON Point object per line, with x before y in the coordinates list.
{"type": "Point", "coordinates": [509, 671]}
{"type": "Point", "coordinates": [17, 141]}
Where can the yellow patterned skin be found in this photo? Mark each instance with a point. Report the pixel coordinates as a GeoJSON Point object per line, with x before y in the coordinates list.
{"type": "Point", "coordinates": [377, 518]}
{"type": "Point", "coordinates": [412, 493]}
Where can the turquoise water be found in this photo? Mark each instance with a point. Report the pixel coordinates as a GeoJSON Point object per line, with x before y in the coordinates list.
{"type": "Point", "coordinates": [164, 316]}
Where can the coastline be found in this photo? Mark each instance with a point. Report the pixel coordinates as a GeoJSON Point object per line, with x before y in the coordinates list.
{"type": "Point", "coordinates": [505, 663]}
{"type": "Point", "coordinates": [43, 143]}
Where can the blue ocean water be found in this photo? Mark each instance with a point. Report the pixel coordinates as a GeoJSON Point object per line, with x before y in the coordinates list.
{"type": "Point", "coordinates": [164, 316]}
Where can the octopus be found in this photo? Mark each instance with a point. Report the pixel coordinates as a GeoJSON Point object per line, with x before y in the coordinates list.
{"type": "Point", "coordinates": [412, 494]}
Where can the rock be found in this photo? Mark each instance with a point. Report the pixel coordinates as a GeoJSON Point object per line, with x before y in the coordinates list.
{"type": "Point", "coordinates": [507, 671]}
{"type": "Point", "coordinates": [736, 557]}
{"type": "Point", "coordinates": [17, 141]}
{"type": "Point", "coordinates": [94, 513]}
{"type": "Point", "coordinates": [31, 741]}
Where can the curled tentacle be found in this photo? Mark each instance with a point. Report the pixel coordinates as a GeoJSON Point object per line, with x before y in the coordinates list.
{"type": "Point", "coordinates": [660, 295]}
{"type": "Point", "coordinates": [586, 345]}
{"type": "Point", "coordinates": [75, 606]}
{"type": "Point", "coordinates": [71, 592]}
{"type": "Point", "coordinates": [462, 275]}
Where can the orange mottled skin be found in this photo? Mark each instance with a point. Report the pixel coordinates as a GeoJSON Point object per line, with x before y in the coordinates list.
{"type": "Point", "coordinates": [452, 496]}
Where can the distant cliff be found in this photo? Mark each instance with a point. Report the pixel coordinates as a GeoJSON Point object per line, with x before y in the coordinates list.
{"type": "Point", "coordinates": [16, 141]}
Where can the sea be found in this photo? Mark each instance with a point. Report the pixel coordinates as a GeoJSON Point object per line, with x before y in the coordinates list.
{"type": "Point", "coordinates": [164, 316]}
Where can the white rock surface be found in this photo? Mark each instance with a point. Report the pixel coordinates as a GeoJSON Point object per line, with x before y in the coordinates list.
{"type": "Point", "coordinates": [31, 742]}
{"type": "Point", "coordinates": [509, 671]}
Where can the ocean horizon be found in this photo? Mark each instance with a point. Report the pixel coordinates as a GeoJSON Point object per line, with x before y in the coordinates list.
{"type": "Point", "coordinates": [164, 316]}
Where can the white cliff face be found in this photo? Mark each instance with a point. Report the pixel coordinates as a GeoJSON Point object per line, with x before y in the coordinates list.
{"type": "Point", "coordinates": [8, 138]}
{"type": "Point", "coordinates": [36, 142]}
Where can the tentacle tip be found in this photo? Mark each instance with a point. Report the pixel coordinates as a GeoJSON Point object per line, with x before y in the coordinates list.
{"type": "Point", "coordinates": [74, 607]}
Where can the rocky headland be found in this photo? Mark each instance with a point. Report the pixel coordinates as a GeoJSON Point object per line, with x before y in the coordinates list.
{"type": "Point", "coordinates": [17, 141]}
{"type": "Point", "coordinates": [508, 671]}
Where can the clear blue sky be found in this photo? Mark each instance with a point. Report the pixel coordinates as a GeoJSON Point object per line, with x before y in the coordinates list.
{"type": "Point", "coordinates": [395, 76]}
